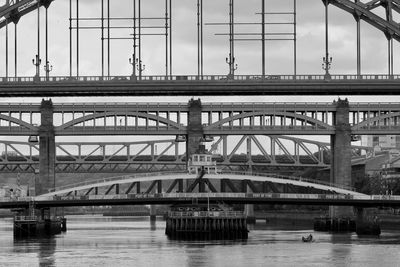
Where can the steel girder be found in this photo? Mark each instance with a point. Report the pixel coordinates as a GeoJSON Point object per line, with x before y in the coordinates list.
{"type": "Point", "coordinates": [364, 11]}
{"type": "Point", "coordinates": [263, 154]}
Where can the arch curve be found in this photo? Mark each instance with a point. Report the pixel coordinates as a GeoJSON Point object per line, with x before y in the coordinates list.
{"type": "Point", "coordinates": [297, 117]}
{"type": "Point", "coordinates": [112, 114]}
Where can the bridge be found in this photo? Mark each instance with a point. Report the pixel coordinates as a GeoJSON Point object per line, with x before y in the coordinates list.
{"type": "Point", "coordinates": [184, 85]}
{"type": "Point", "coordinates": [228, 198]}
{"type": "Point", "coordinates": [244, 136]}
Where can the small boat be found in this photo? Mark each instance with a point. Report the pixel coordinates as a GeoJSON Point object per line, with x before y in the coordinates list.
{"type": "Point", "coordinates": [309, 238]}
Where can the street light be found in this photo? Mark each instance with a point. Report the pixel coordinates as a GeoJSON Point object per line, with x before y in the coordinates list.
{"type": "Point", "coordinates": [133, 61]}
{"type": "Point", "coordinates": [136, 65]}
{"type": "Point", "coordinates": [232, 66]}
{"type": "Point", "coordinates": [326, 65]}
{"type": "Point", "coordinates": [36, 62]}
{"type": "Point", "coordinates": [47, 69]}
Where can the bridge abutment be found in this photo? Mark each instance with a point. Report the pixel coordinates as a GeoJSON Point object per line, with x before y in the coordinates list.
{"type": "Point", "coordinates": [47, 149]}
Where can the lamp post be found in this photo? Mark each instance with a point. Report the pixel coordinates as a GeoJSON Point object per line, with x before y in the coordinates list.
{"type": "Point", "coordinates": [133, 62]}
{"type": "Point", "coordinates": [47, 69]}
{"type": "Point", "coordinates": [140, 67]}
{"type": "Point", "coordinates": [326, 60]}
{"type": "Point", "coordinates": [36, 62]}
{"type": "Point", "coordinates": [136, 65]}
{"type": "Point", "coordinates": [232, 66]}
{"type": "Point", "coordinates": [326, 65]}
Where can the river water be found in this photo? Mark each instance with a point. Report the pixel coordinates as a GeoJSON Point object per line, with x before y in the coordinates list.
{"type": "Point", "coordinates": [134, 241]}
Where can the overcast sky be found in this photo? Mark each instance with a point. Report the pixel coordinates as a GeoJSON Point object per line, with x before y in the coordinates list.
{"type": "Point", "coordinates": [310, 41]}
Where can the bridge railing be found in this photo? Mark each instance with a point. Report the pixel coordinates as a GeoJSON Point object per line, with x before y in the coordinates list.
{"type": "Point", "coordinates": [219, 214]}
{"type": "Point", "coordinates": [185, 78]}
{"type": "Point", "coordinates": [191, 196]}
{"type": "Point", "coordinates": [25, 218]}
{"type": "Point", "coordinates": [211, 196]}
{"type": "Point", "coordinates": [292, 178]}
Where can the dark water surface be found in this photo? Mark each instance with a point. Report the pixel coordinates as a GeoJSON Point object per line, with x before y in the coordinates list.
{"type": "Point", "coordinates": [133, 241]}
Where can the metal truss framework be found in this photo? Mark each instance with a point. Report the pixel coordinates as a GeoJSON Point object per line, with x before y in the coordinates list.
{"type": "Point", "coordinates": [247, 152]}
{"type": "Point", "coordinates": [163, 119]}
{"type": "Point", "coordinates": [362, 9]}
{"type": "Point", "coordinates": [169, 182]}
{"type": "Point", "coordinates": [369, 12]}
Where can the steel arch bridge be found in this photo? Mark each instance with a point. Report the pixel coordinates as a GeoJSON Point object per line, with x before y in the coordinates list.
{"type": "Point", "coordinates": [163, 119]}
{"type": "Point", "coordinates": [188, 183]}
{"type": "Point", "coordinates": [380, 14]}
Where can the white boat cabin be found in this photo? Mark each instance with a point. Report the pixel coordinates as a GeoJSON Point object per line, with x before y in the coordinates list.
{"type": "Point", "coordinates": [198, 162]}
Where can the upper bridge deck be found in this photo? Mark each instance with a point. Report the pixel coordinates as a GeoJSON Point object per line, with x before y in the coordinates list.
{"type": "Point", "coordinates": [194, 85]}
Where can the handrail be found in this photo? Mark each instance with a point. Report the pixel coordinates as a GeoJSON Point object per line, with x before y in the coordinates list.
{"type": "Point", "coordinates": [211, 196]}
{"type": "Point", "coordinates": [25, 218]}
{"type": "Point", "coordinates": [197, 78]}
{"type": "Point", "coordinates": [219, 214]}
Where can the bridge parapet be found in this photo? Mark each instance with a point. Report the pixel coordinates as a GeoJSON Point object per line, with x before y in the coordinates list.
{"type": "Point", "coordinates": [164, 198]}
{"type": "Point", "coordinates": [197, 78]}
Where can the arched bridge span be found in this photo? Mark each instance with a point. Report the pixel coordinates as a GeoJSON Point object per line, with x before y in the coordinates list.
{"type": "Point", "coordinates": [175, 183]}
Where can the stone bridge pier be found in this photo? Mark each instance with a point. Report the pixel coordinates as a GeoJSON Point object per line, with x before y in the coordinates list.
{"type": "Point", "coordinates": [195, 132]}
{"type": "Point", "coordinates": [47, 150]}
{"type": "Point", "coordinates": [341, 155]}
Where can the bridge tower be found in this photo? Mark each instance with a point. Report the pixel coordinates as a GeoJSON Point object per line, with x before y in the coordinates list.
{"type": "Point", "coordinates": [341, 154]}
{"type": "Point", "coordinates": [47, 149]}
{"type": "Point", "coordinates": [195, 132]}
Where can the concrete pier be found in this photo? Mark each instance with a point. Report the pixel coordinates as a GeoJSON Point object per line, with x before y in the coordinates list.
{"type": "Point", "coordinates": [366, 225]}
{"type": "Point", "coordinates": [37, 223]}
{"type": "Point", "coordinates": [153, 213]}
{"type": "Point", "coordinates": [196, 223]}
{"type": "Point", "coordinates": [249, 212]}
{"type": "Point", "coordinates": [205, 227]}
{"type": "Point", "coordinates": [28, 226]}
{"type": "Point", "coordinates": [47, 149]}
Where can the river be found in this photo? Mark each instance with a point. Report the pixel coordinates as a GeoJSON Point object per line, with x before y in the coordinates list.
{"type": "Point", "coordinates": [134, 241]}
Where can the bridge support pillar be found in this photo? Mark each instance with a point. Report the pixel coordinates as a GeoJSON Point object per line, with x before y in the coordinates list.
{"type": "Point", "coordinates": [153, 213]}
{"type": "Point", "coordinates": [341, 155]}
{"type": "Point", "coordinates": [248, 208]}
{"type": "Point", "coordinates": [195, 128]}
{"type": "Point", "coordinates": [47, 149]}
{"type": "Point", "coordinates": [366, 225]}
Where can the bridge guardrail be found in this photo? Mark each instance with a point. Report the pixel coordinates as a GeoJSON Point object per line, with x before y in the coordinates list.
{"type": "Point", "coordinates": [228, 195]}
{"type": "Point", "coordinates": [219, 214]}
{"type": "Point", "coordinates": [191, 196]}
{"type": "Point", "coordinates": [197, 78]}
{"type": "Point", "coordinates": [25, 218]}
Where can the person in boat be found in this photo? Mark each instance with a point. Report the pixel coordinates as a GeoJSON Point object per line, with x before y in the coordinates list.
{"type": "Point", "coordinates": [308, 238]}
